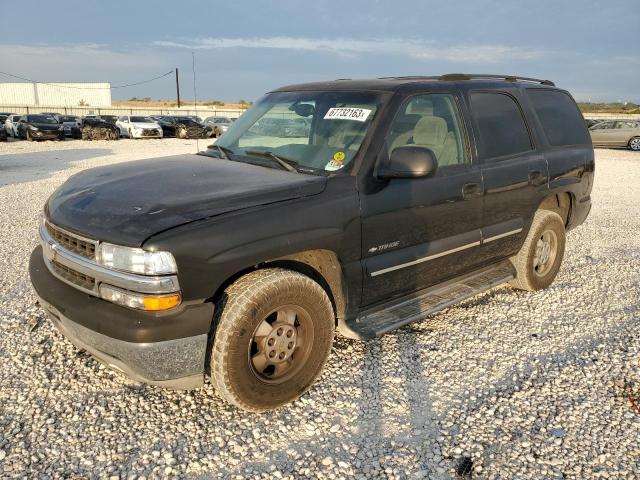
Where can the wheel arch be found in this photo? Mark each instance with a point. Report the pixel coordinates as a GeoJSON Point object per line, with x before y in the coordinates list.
{"type": "Point", "coordinates": [559, 202]}
{"type": "Point", "coordinates": [322, 266]}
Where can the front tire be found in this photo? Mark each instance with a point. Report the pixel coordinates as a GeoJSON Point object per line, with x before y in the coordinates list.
{"type": "Point", "coordinates": [634, 144]}
{"type": "Point", "coordinates": [538, 261]}
{"type": "Point", "coordinates": [273, 336]}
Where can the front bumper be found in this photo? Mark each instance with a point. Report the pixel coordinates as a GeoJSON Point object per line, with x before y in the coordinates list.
{"type": "Point", "coordinates": [147, 133]}
{"type": "Point", "coordinates": [46, 134]}
{"type": "Point", "coordinates": [167, 349]}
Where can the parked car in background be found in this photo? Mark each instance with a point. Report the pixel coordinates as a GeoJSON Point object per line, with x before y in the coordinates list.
{"type": "Point", "coordinates": [11, 125]}
{"type": "Point", "coordinates": [219, 125]}
{"type": "Point", "coordinates": [3, 133]}
{"type": "Point", "coordinates": [39, 127]}
{"type": "Point", "coordinates": [109, 118]}
{"type": "Point", "coordinates": [70, 124]}
{"type": "Point", "coordinates": [167, 123]}
{"type": "Point", "coordinates": [616, 133]}
{"type": "Point", "coordinates": [187, 127]}
{"type": "Point", "coordinates": [98, 129]}
{"type": "Point", "coordinates": [134, 126]}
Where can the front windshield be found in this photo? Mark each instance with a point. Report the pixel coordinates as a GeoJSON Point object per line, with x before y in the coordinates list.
{"type": "Point", "coordinates": [68, 119]}
{"type": "Point", "coordinates": [41, 119]}
{"type": "Point", "coordinates": [318, 130]}
{"type": "Point", "coordinates": [141, 120]}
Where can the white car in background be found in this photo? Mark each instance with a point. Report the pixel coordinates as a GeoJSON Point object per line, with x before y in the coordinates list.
{"type": "Point", "coordinates": [134, 126]}
{"type": "Point", "coordinates": [11, 125]}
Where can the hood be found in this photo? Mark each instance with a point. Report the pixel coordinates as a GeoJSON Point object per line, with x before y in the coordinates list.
{"type": "Point", "coordinates": [129, 202]}
{"type": "Point", "coordinates": [145, 124]}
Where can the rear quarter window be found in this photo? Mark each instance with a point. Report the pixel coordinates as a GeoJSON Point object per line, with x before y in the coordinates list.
{"type": "Point", "coordinates": [501, 128]}
{"type": "Point", "coordinates": [561, 120]}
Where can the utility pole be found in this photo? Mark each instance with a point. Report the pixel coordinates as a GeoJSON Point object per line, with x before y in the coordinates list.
{"type": "Point", "coordinates": [177, 87]}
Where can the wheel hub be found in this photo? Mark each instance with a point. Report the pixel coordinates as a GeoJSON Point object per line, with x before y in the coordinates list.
{"type": "Point", "coordinates": [545, 253]}
{"type": "Point", "coordinates": [280, 344]}
{"type": "Point", "coordinates": [544, 249]}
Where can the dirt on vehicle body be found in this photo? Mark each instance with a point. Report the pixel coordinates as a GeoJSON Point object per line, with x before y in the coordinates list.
{"type": "Point", "coordinates": [97, 129]}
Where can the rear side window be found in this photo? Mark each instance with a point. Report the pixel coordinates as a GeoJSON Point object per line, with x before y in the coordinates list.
{"type": "Point", "coordinates": [560, 117]}
{"type": "Point", "coordinates": [501, 127]}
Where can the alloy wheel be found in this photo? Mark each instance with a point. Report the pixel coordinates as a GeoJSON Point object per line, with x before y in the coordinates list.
{"type": "Point", "coordinates": [281, 344]}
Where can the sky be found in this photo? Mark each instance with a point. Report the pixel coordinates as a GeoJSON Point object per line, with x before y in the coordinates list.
{"type": "Point", "coordinates": [245, 48]}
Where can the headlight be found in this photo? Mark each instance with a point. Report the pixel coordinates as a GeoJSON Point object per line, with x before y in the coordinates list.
{"type": "Point", "coordinates": [35, 129]}
{"type": "Point", "coordinates": [153, 303]}
{"type": "Point", "coordinates": [61, 127]}
{"type": "Point", "coordinates": [135, 260]}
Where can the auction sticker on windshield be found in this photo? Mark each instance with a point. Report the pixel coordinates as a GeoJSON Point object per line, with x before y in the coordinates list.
{"type": "Point", "coordinates": [357, 114]}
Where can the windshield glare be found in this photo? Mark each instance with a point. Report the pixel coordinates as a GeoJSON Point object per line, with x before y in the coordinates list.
{"type": "Point", "coordinates": [319, 130]}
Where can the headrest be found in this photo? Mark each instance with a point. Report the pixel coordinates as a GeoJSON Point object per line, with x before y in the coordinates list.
{"type": "Point", "coordinates": [405, 122]}
{"type": "Point", "coordinates": [422, 106]}
{"type": "Point", "coordinates": [430, 131]}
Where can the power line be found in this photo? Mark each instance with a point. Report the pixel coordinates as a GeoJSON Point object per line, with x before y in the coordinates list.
{"type": "Point", "coordinates": [87, 88]}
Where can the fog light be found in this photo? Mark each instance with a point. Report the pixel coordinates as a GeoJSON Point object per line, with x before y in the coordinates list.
{"type": "Point", "coordinates": [151, 303]}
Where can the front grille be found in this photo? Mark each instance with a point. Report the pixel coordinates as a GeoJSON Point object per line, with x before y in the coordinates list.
{"type": "Point", "coordinates": [83, 281]}
{"type": "Point", "coordinates": [72, 243]}
{"type": "Point", "coordinates": [150, 132]}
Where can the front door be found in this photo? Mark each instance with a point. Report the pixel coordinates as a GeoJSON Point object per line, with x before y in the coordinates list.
{"type": "Point", "coordinates": [625, 131]}
{"type": "Point", "coordinates": [604, 133]}
{"type": "Point", "coordinates": [420, 232]}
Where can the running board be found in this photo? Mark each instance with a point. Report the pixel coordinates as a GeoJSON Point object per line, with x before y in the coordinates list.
{"type": "Point", "coordinates": [384, 318]}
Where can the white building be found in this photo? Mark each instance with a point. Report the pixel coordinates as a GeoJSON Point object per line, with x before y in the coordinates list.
{"type": "Point", "coordinates": [58, 94]}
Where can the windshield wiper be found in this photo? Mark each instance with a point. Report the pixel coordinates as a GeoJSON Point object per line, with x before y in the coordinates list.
{"type": "Point", "coordinates": [289, 165]}
{"type": "Point", "coordinates": [222, 151]}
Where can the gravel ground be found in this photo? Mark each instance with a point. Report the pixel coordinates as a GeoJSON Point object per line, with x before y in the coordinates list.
{"type": "Point", "coordinates": [506, 385]}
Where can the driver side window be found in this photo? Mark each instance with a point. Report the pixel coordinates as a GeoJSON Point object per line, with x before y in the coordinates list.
{"type": "Point", "coordinates": [430, 121]}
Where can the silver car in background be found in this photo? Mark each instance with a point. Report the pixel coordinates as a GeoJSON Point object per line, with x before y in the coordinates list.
{"type": "Point", "coordinates": [616, 133]}
{"type": "Point", "coordinates": [219, 125]}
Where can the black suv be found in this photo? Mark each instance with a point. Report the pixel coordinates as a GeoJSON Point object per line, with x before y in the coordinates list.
{"type": "Point", "coordinates": [404, 196]}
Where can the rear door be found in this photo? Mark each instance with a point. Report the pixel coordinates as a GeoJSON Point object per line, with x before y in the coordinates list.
{"type": "Point", "coordinates": [419, 232]}
{"type": "Point", "coordinates": [514, 173]}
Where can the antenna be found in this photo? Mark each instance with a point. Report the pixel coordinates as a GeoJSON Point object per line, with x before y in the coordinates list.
{"type": "Point", "coordinates": [195, 94]}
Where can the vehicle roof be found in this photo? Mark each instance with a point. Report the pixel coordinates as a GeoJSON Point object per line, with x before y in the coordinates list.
{"type": "Point", "coordinates": [394, 84]}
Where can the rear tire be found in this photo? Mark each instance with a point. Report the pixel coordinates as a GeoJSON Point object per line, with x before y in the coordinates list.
{"type": "Point", "coordinates": [634, 144]}
{"type": "Point", "coordinates": [273, 336]}
{"type": "Point", "coordinates": [538, 261]}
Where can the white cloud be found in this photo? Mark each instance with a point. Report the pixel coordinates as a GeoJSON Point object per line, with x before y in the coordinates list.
{"type": "Point", "coordinates": [416, 49]}
{"type": "Point", "coordinates": [55, 60]}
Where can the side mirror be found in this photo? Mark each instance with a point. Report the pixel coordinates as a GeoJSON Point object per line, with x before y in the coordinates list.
{"type": "Point", "coordinates": [409, 162]}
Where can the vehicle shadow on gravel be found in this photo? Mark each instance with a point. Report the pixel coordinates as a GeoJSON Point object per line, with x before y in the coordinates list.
{"type": "Point", "coordinates": [28, 167]}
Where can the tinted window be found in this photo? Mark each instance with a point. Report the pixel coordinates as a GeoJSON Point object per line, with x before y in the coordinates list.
{"type": "Point", "coordinates": [501, 127]}
{"type": "Point", "coordinates": [431, 121]}
{"type": "Point", "coordinates": [560, 117]}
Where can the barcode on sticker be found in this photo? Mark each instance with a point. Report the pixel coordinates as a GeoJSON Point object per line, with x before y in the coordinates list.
{"type": "Point", "coordinates": [357, 114]}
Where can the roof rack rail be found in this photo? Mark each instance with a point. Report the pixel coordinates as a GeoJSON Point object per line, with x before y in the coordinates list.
{"type": "Point", "coordinates": [508, 78]}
